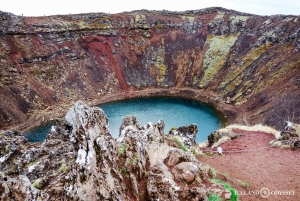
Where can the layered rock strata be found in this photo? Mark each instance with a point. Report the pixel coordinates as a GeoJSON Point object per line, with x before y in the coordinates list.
{"type": "Point", "coordinates": [246, 65]}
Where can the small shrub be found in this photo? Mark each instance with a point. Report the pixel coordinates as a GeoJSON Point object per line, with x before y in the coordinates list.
{"type": "Point", "coordinates": [63, 167]}
{"type": "Point", "coordinates": [245, 184]}
{"type": "Point", "coordinates": [214, 197]}
{"type": "Point", "coordinates": [133, 161]}
{"type": "Point", "coordinates": [208, 153]}
{"type": "Point", "coordinates": [36, 184]}
{"type": "Point", "coordinates": [124, 171]}
{"type": "Point", "coordinates": [82, 177]}
{"type": "Point", "coordinates": [196, 152]}
{"type": "Point", "coordinates": [136, 157]}
{"type": "Point", "coordinates": [173, 129]}
{"type": "Point", "coordinates": [234, 195]}
{"type": "Point", "coordinates": [182, 146]}
{"type": "Point", "coordinates": [121, 149]}
{"type": "Point", "coordinates": [214, 172]}
{"type": "Point", "coordinates": [219, 181]}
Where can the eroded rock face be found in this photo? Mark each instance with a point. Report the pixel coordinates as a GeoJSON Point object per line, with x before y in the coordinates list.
{"type": "Point", "coordinates": [79, 160]}
{"type": "Point", "coordinates": [247, 61]}
{"type": "Point", "coordinates": [19, 188]}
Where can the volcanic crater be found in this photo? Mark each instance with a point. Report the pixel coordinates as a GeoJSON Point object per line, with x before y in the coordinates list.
{"type": "Point", "coordinates": [246, 66]}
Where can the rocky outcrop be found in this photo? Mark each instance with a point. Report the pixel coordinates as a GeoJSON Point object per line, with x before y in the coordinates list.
{"type": "Point", "coordinates": [232, 60]}
{"type": "Point", "coordinates": [187, 134]}
{"type": "Point", "coordinates": [220, 135]}
{"type": "Point", "coordinates": [289, 136]}
{"type": "Point", "coordinates": [79, 160]}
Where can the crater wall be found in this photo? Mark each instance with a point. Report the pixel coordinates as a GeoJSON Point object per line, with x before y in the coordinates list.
{"type": "Point", "coordinates": [245, 65]}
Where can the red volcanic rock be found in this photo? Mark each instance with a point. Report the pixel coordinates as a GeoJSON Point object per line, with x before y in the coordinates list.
{"type": "Point", "coordinates": [211, 55]}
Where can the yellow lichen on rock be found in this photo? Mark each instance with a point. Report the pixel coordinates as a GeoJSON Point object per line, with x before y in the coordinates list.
{"type": "Point", "coordinates": [218, 19]}
{"type": "Point", "coordinates": [270, 76]}
{"type": "Point", "coordinates": [236, 73]}
{"type": "Point", "coordinates": [139, 17]}
{"type": "Point", "coordinates": [215, 56]}
{"type": "Point", "coordinates": [190, 18]}
{"type": "Point", "coordinates": [273, 76]}
{"type": "Point", "coordinates": [141, 21]}
{"type": "Point", "coordinates": [236, 18]}
{"type": "Point", "coordinates": [161, 68]}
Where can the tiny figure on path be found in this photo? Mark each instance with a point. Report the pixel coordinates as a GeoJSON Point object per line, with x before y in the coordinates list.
{"type": "Point", "coordinates": [220, 150]}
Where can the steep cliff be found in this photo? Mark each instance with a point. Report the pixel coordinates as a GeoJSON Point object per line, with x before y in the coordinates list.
{"type": "Point", "coordinates": [246, 65]}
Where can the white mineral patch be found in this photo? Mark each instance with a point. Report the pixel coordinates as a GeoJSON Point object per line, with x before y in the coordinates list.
{"type": "Point", "coordinates": [126, 129]}
{"type": "Point", "coordinates": [176, 188]}
{"type": "Point", "coordinates": [164, 180]}
{"type": "Point", "coordinates": [157, 152]}
{"type": "Point", "coordinates": [2, 159]}
{"type": "Point", "coordinates": [32, 167]}
{"type": "Point", "coordinates": [52, 128]}
{"type": "Point", "coordinates": [73, 139]}
{"type": "Point", "coordinates": [81, 157]}
{"type": "Point", "coordinates": [68, 189]}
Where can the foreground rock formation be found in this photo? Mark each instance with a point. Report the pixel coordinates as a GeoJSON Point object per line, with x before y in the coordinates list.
{"type": "Point", "coordinates": [80, 160]}
{"type": "Point", "coordinates": [246, 65]}
{"type": "Point", "coordinates": [289, 136]}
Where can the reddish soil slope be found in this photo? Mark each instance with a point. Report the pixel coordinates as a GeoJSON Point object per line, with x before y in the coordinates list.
{"type": "Point", "coordinates": [248, 159]}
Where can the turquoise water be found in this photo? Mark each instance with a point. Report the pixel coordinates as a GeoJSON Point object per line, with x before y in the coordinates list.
{"type": "Point", "coordinates": [175, 113]}
{"type": "Point", "coordinates": [39, 133]}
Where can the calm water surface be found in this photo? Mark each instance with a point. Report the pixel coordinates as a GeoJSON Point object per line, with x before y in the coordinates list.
{"type": "Point", "coordinates": [175, 112]}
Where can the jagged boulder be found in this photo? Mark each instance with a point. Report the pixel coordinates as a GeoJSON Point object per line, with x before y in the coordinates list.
{"type": "Point", "coordinates": [132, 155]}
{"type": "Point", "coordinates": [289, 136]}
{"type": "Point", "coordinates": [176, 156]}
{"type": "Point", "coordinates": [161, 184]}
{"type": "Point", "coordinates": [186, 171]}
{"type": "Point", "coordinates": [221, 135]}
{"type": "Point", "coordinates": [187, 134]}
{"type": "Point", "coordinates": [19, 188]}
{"type": "Point", "coordinates": [77, 160]}
{"type": "Point", "coordinates": [95, 170]}
{"type": "Point", "coordinates": [133, 151]}
{"type": "Point", "coordinates": [12, 145]}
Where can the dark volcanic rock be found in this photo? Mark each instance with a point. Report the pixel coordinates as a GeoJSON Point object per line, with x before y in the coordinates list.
{"type": "Point", "coordinates": [289, 136]}
{"type": "Point", "coordinates": [215, 136]}
{"type": "Point", "coordinates": [186, 134]}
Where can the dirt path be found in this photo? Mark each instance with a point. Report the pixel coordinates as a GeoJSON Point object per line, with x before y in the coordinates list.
{"type": "Point", "coordinates": [273, 168]}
